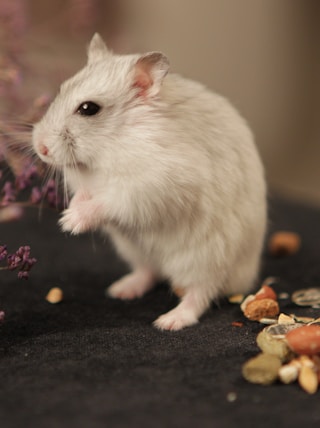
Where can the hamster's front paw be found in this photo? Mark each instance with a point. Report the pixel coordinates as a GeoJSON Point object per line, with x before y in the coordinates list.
{"type": "Point", "coordinates": [72, 221]}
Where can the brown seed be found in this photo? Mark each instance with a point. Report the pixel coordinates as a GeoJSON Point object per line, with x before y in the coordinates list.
{"type": "Point", "coordinates": [264, 308]}
{"type": "Point", "coordinates": [284, 243]}
{"type": "Point", "coordinates": [308, 379]}
{"type": "Point", "coordinates": [304, 340]}
{"type": "Point", "coordinates": [55, 295]}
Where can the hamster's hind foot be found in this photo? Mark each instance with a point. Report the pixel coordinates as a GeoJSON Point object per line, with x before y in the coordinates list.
{"type": "Point", "coordinates": [132, 286]}
{"type": "Point", "coordinates": [175, 320]}
{"type": "Point", "coordinates": [187, 313]}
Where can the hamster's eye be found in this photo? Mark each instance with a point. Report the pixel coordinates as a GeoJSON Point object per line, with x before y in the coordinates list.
{"type": "Point", "coordinates": [88, 108]}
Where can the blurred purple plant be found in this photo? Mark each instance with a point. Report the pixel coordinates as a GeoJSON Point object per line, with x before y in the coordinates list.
{"type": "Point", "coordinates": [20, 260]}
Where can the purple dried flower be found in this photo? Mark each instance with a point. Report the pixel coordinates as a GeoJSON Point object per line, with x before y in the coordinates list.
{"type": "Point", "coordinates": [25, 178]}
{"type": "Point", "coordinates": [13, 261]}
{"type": "Point", "coordinates": [20, 260]}
{"type": "Point", "coordinates": [2, 316]}
{"type": "Point", "coordinates": [36, 195]}
{"type": "Point", "coordinates": [49, 191]}
{"type": "Point", "coordinates": [23, 252]}
{"type": "Point", "coordinates": [3, 252]}
{"type": "Point", "coordinates": [9, 193]}
{"type": "Point", "coordinates": [23, 275]}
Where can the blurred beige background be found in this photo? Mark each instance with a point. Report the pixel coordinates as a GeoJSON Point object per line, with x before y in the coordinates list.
{"type": "Point", "coordinates": [262, 54]}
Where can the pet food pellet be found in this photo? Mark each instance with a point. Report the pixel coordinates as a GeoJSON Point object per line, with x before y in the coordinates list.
{"type": "Point", "coordinates": [264, 308]}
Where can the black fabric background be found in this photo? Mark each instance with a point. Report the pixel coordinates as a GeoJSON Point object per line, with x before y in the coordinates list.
{"type": "Point", "coordinates": [95, 362]}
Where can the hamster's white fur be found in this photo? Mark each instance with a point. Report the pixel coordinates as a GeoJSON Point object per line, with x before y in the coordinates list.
{"type": "Point", "coordinates": [166, 167]}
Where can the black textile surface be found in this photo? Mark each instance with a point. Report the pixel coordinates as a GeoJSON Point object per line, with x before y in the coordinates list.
{"type": "Point", "coordinates": [96, 362]}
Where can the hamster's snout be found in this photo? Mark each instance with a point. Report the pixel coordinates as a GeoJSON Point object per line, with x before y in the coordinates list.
{"type": "Point", "coordinates": [43, 149]}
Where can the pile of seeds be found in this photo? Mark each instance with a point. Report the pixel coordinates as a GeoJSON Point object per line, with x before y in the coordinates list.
{"type": "Point", "coordinates": [290, 351]}
{"type": "Point", "coordinates": [290, 345]}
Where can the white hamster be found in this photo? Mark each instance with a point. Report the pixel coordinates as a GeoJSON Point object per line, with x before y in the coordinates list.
{"type": "Point", "coordinates": [168, 169]}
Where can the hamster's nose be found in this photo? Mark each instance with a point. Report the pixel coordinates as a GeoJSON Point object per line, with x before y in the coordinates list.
{"type": "Point", "coordinates": [43, 149]}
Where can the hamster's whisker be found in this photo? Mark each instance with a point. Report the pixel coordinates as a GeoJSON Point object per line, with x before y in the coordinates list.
{"type": "Point", "coordinates": [65, 187]}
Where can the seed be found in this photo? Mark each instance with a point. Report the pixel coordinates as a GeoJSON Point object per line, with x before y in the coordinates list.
{"type": "Point", "coordinates": [288, 373]}
{"type": "Point", "coordinates": [279, 331]}
{"type": "Point", "coordinates": [237, 324]}
{"type": "Point", "coordinates": [268, 321]}
{"type": "Point", "coordinates": [284, 243]}
{"type": "Point", "coordinates": [55, 295]}
{"type": "Point", "coordinates": [247, 300]}
{"type": "Point", "coordinates": [306, 297]}
{"type": "Point", "coordinates": [303, 320]}
{"type": "Point", "coordinates": [273, 345]}
{"type": "Point", "coordinates": [305, 360]}
{"type": "Point", "coordinates": [236, 298]}
{"type": "Point", "coordinates": [262, 369]}
{"type": "Point", "coordinates": [285, 319]}
{"type": "Point", "coordinates": [231, 397]}
{"type": "Point", "coordinates": [308, 379]}
{"type": "Point", "coordinates": [284, 295]}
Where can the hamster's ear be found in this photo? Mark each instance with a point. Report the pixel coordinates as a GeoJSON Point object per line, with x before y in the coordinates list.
{"type": "Point", "coordinates": [97, 49]}
{"type": "Point", "coordinates": [149, 72]}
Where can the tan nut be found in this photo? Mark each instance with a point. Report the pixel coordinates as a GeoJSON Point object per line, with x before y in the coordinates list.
{"type": "Point", "coordinates": [55, 295]}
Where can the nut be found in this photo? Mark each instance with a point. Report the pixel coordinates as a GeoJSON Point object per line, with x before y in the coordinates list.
{"type": "Point", "coordinates": [284, 243]}
{"type": "Point", "coordinates": [55, 295]}
{"type": "Point", "coordinates": [264, 308]}
{"type": "Point", "coordinates": [304, 340]}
